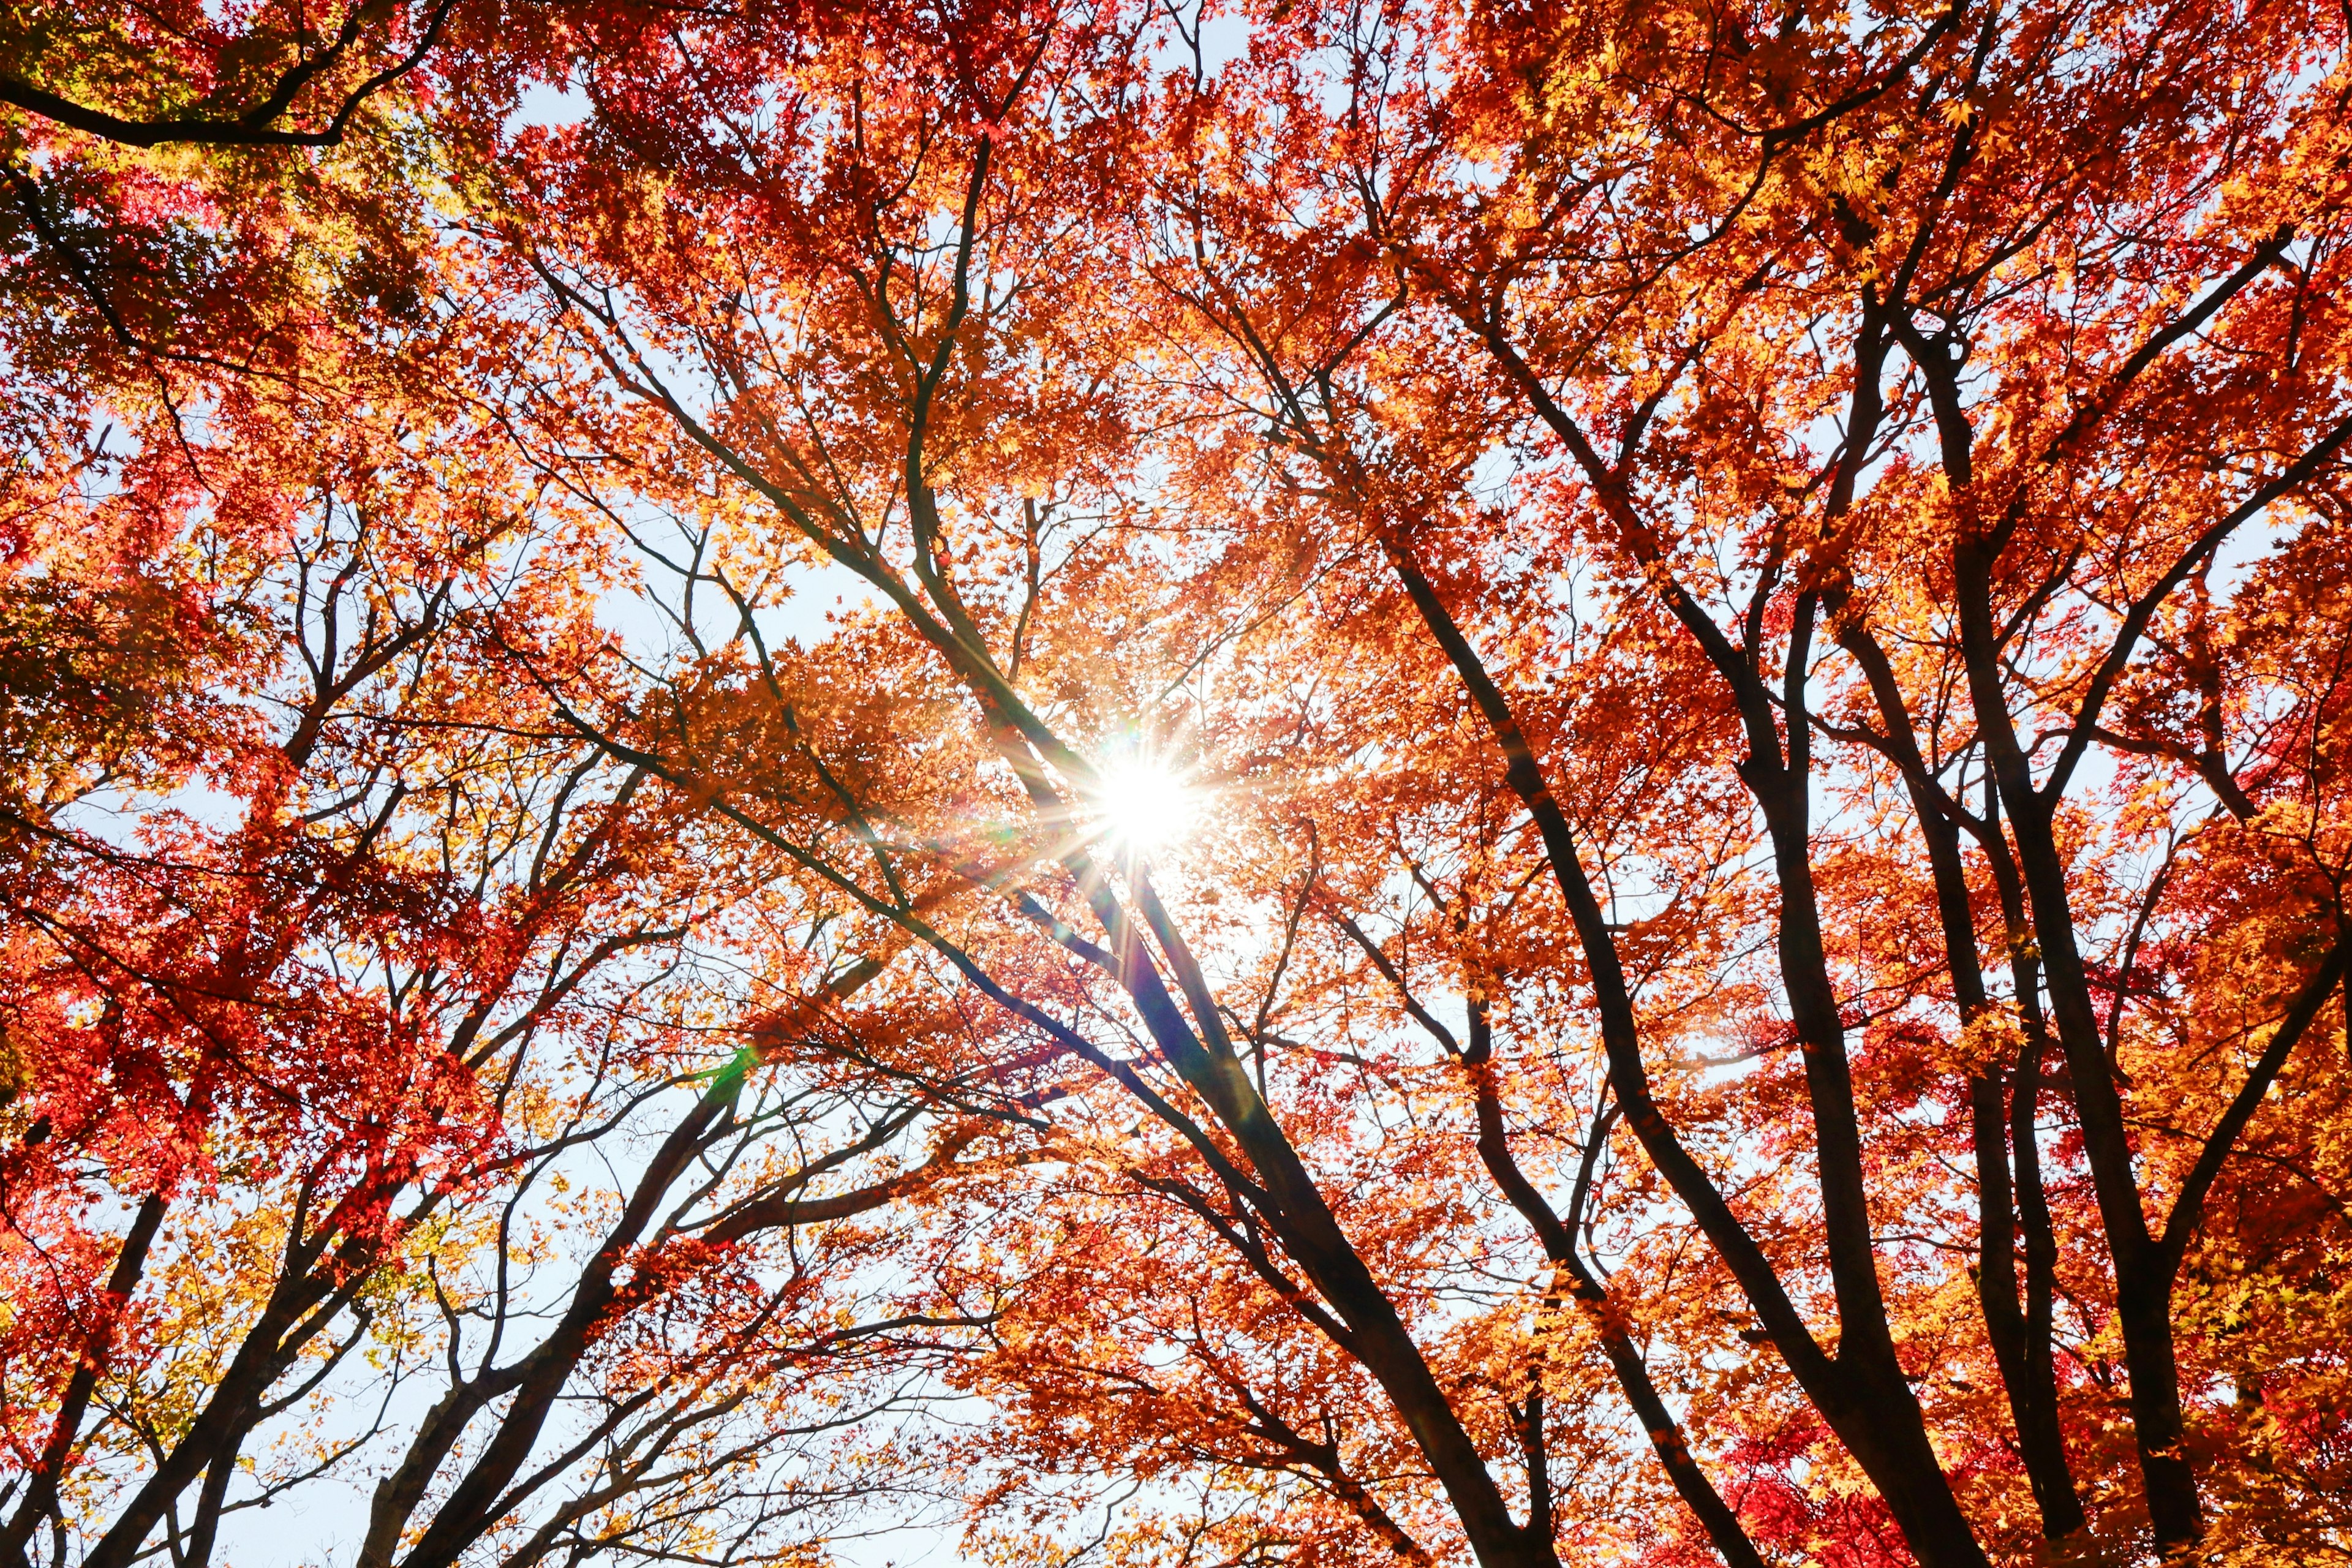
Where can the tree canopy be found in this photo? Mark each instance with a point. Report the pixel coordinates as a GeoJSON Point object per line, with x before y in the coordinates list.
{"type": "Point", "coordinates": [1174, 784]}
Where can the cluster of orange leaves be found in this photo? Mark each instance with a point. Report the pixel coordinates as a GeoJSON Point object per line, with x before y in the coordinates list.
{"type": "Point", "coordinates": [1746, 608]}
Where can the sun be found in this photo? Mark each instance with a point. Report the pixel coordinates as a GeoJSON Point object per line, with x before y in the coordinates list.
{"type": "Point", "coordinates": [1143, 804]}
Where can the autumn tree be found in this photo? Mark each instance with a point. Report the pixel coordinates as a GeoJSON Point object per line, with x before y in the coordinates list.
{"type": "Point", "coordinates": [333, 970]}
{"type": "Point", "coordinates": [1500, 783]}
{"type": "Point", "coordinates": [1752, 459]}
{"type": "Point", "coordinates": [304, 1066]}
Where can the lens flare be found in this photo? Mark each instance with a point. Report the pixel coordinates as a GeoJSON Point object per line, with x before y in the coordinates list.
{"type": "Point", "coordinates": [1145, 804]}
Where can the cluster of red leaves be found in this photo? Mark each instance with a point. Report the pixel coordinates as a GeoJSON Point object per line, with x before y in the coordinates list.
{"type": "Point", "coordinates": [1750, 601]}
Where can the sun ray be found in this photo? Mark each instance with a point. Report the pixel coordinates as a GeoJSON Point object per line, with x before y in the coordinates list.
{"type": "Point", "coordinates": [1143, 804]}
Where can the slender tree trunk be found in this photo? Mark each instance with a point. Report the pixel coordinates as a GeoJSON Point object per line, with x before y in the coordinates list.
{"type": "Point", "coordinates": [41, 1487]}
{"type": "Point", "coordinates": [1312, 1236]}
{"type": "Point", "coordinates": [1862, 1394]}
{"type": "Point", "coordinates": [1722, 1528]}
{"type": "Point", "coordinates": [1890, 1420]}
{"type": "Point", "coordinates": [209, 1501]}
{"type": "Point", "coordinates": [2020, 1337]}
{"type": "Point", "coordinates": [539, 1379]}
{"type": "Point", "coordinates": [2032, 1198]}
{"type": "Point", "coordinates": [2144, 1311]}
{"type": "Point", "coordinates": [2143, 1279]}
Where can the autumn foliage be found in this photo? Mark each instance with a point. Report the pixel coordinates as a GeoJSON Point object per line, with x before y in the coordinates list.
{"type": "Point", "coordinates": [1249, 784]}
